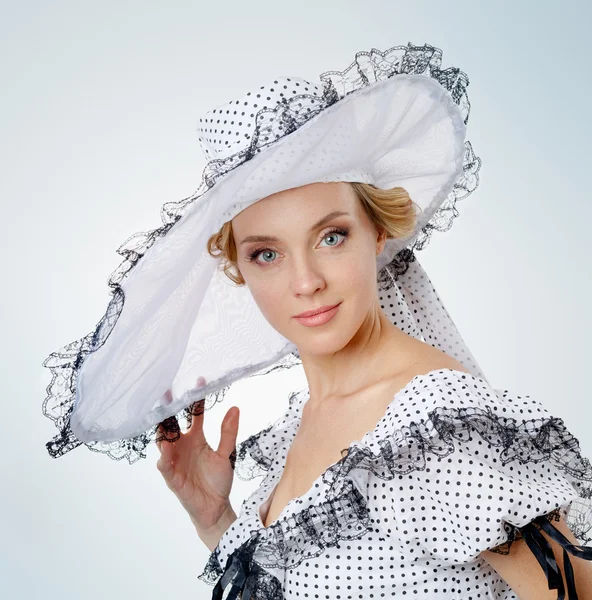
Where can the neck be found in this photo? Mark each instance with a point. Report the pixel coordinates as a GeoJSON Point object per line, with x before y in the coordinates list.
{"type": "Point", "coordinates": [377, 351]}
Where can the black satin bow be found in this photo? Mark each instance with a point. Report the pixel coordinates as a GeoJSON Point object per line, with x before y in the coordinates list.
{"type": "Point", "coordinates": [240, 572]}
{"type": "Point", "coordinates": [543, 552]}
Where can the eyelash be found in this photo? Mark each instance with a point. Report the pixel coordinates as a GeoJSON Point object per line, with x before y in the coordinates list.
{"type": "Point", "coordinates": [342, 231]}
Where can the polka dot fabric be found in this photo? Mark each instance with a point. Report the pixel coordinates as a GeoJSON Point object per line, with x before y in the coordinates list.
{"type": "Point", "coordinates": [452, 468]}
{"type": "Point", "coordinates": [225, 130]}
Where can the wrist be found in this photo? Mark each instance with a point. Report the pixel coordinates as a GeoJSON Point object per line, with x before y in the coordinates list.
{"type": "Point", "coordinates": [211, 536]}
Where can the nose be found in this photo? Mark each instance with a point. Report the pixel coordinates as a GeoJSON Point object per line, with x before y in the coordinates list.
{"type": "Point", "coordinates": [306, 277]}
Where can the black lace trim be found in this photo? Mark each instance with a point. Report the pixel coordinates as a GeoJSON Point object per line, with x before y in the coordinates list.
{"type": "Point", "coordinates": [545, 556]}
{"type": "Point", "coordinates": [345, 512]}
{"type": "Point", "coordinates": [532, 440]}
{"type": "Point", "coordinates": [245, 578]}
{"type": "Point", "coordinates": [59, 404]}
{"type": "Point", "coordinates": [366, 69]}
{"type": "Point", "coordinates": [515, 533]}
{"type": "Point", "coordinates": [251, 460]}
{"type": "Point", "coordinates": [213, 569]}
{"type": "Point", "coordinates": [317, 528]}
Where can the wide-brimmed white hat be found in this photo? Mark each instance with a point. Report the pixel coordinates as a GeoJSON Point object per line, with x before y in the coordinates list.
{"type": "Point", "coordinates": [392, 118]}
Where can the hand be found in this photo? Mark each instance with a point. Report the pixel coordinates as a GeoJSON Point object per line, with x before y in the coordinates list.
{"type": "Point", "coordinates": [198, 475]}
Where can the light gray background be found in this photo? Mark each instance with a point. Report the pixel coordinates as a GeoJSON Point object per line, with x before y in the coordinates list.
{"type": "Point", "coordinates": [99, 107]}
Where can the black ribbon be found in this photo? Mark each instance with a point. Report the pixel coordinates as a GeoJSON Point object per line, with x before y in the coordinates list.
{"type": "Point", "coordinates": [543, 552]}
{"type": "Point", "coordinates": [240, 573]}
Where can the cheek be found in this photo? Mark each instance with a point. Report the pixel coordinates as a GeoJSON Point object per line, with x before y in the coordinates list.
{"type": "Point", "coordinates": [355, 272]}
{"type": "Point", "coordinates": [269, 297]}
{"type": "Point", "coordinates": [353, 276]}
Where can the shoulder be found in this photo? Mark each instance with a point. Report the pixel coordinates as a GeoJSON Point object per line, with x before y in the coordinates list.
{"type": "Point", "coordinates": [254, 455]}
{"type": "Point", "coordinates": [473, 464]}
{"type": "Point", "coordinates": [421, 358]}
{"type": "Point", "coordinates": [453, 388]}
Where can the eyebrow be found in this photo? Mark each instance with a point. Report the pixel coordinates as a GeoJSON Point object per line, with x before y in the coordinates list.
{"type": "Point", "coordinates": [269, 238]}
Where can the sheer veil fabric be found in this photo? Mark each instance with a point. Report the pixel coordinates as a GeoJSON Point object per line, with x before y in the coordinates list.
{"type": "Point", "coordinates": [392, 118]}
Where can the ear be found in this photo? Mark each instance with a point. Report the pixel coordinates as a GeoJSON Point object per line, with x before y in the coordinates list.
{"type": "Point", "coordinates": [380, 241]}
{"type": "Point", "coordinates": [238, 271]}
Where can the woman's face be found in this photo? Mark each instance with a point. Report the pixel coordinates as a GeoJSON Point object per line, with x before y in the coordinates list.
{"type": "Point", "coordinates": [310, 264]}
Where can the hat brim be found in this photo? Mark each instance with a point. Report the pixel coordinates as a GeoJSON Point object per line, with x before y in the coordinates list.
{"type": "Point", "coordinates": [179, 318]}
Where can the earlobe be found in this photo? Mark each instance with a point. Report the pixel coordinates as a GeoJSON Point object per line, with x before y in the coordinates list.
{"type": "Point", "coordinates": [381, 242]}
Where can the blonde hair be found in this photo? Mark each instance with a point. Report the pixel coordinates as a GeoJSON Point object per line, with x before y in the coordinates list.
{"type": "Point", "coordinates": [391, 211]}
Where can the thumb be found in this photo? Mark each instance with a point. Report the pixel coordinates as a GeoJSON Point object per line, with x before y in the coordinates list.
{"type": "Point", "coordinates": [229, 432]}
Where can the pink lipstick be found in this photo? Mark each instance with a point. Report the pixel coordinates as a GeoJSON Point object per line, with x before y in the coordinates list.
{"type": "Point", "coordinates": [320, 318]}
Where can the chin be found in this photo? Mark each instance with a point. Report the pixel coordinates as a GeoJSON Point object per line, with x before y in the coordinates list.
{"type": "Point", "coordinates": [321, 342]}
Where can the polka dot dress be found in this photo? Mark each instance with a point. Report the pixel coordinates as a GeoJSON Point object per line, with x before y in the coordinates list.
{"type": "Point", "coordinates": [452, 468]}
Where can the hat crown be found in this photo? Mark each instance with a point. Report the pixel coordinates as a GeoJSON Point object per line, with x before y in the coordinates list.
{"type": "Point", "coordinates": [261, 113]}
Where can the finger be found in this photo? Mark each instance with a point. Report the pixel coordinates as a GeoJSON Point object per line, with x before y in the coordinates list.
{"type": "Point", "coordinates": [159, 435]}
{"type": "Point", "coordinates": [168, 397]}
{"type": "Point", "coordinates": [165, 466]}
{"type": "Point", "coordinates": [229, 432]}
{"type": "Point", "coordinates": [164, 439]}
{"type": "Point", "coordinates": [197, 409]}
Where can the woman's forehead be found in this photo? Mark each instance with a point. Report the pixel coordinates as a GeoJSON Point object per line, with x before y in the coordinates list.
{"type": "Point", "coordinates": [301, 205]}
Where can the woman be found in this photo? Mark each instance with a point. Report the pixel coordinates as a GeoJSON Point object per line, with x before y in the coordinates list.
{"type": "Point", "coordinates": [357, 364]}
{"type": "Point", "coordinates": [398, 470]}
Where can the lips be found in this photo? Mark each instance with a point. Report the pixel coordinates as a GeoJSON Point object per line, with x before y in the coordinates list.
{"type": "Point", "coordinates": [315, 311]}
{"type": "Point", "coordinates": [321, 318]}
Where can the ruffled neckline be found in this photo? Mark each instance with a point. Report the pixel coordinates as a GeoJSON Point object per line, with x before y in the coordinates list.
{"type": "Point", "coordinates": [318, 488]}
{"type": "Point", "coordinates": [336, 506]}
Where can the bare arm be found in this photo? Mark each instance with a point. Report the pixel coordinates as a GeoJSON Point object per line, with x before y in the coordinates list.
{"type": "Point", "coordinates": [211, 537]}
{"type": "Point", "coordinates": [523, 573]}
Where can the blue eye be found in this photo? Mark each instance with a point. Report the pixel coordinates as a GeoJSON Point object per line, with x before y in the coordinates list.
{"type": "Point", "coordinates": [252, 257]}
{"type": "Point", "coordinates": [329, 234]}
{"type": "Point", "coordinates": [268, 251]}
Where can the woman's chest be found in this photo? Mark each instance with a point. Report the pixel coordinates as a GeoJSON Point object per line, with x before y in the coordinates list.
{"type": "Point", "coordinates": [304, 465]}
{"type": "Point", "coordinates": [322, 438]}
{"type": "Point", "coordinates": [327, 429]}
